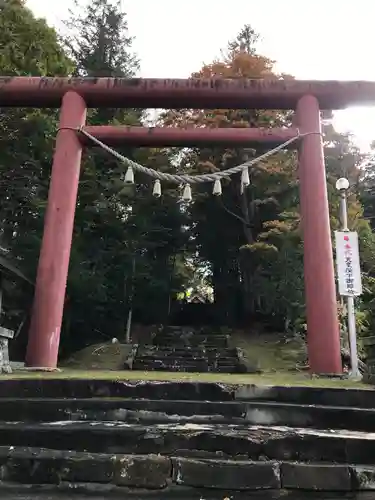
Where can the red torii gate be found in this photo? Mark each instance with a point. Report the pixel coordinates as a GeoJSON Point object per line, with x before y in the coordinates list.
{"type": "Point", "coordinates": [75, 95]}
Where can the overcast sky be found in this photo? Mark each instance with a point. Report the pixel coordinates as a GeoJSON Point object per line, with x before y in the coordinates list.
{"type": "Point", "coordinates": [310, 39]}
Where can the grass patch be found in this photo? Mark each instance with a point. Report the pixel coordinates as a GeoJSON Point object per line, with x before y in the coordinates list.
{"type": "Point", "coordinates": [278, 378]}
{"type": "Point", "coordinates": [277, 357]}
{"type": "Point", "coordinates": [271, 352]}
{"type": "Point", "coordinates": [104, 356]}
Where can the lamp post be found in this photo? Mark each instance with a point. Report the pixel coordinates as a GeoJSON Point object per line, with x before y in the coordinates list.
{"type": "Point", "coordinates": [342, 185]}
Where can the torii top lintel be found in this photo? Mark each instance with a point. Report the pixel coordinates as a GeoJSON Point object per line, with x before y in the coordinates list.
{"type": "Point", "coordinates": [188, 93]}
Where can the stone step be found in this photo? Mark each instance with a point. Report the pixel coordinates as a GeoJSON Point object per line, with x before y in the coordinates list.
{"type": "Point", "coordinates": [81, 388]}
{"type": "Point", "coordinates": [188, 358]}
{"type": "Point", "coordinates": [190, 341]}
{"type": "Point", "coordinates": [132, 410]}
{"type": "Point", "coordinates": [161, 357]}
{"type": "Point", "coordinates": [191, 334]}
{"type": "Point", "coordinates": [159, 364]}
{"type": "Point", "coordinates": [168, 350]}
{"type": "Point", "coordinates": [46, 466]}
{"type": "Point", "coordinates": [184, 366]}
{"type": "Point", "coordinates": [185, 361]}
{"type": "Point", "coordinates": [187, 345]}
{"type": "Point", "coordinates": [204, 363]}
{"type": "Point", "coordinates": [182, 390]}
{"type": "Point", "coordinates": [227, 360]}
{"type": "Point", "coordinates": [202, 440]}
{"type": "Point", "coordinates": [170, 367]}
{"type": "Point", "coordinates": [235, 368]}
{"type": "Point", "coordinates": [169, 356]}
{"type": "Point", "coordinates": [35, 466]}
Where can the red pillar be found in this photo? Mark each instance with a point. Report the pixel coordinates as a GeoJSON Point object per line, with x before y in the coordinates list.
{"type": "Point", "coordinates": [44, 334]}
{"type": "Point", "coordinates": [322, 320]}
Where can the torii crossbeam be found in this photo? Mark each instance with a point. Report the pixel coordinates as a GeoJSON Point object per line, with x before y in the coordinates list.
{"type": "Point", "coordinates": [74, 96]}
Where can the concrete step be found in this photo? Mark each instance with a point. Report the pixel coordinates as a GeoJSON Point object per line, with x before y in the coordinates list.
{"type": "Point", "coordinates": [178, 475]}
{"type": "Point", "coordinates": [199, 440]}
{"type": "Point", "coordinates": [180, 390]}
{"type": "Point", "coordinates": [158, 411]}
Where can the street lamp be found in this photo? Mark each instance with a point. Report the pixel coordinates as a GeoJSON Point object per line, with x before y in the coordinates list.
{"type": "Point", "coordinates": [342, 185]}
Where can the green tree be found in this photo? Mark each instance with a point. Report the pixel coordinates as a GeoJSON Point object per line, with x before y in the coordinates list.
{"type": "Point", "coordinates": [28, 48]}
{"type": "Point", "coordinates": [252, 241]}
{"type": "Point", "coordinates": [124, 240]}
{"type": "Point", "coordinates": [222, 226]}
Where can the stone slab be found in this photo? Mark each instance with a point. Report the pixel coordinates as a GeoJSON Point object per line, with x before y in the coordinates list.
{"type": "Point", "coordinates": [363, 477]}
{"type": "Point", "coordinates": [359, 398]}
{"type": "Point", "coordinates": [151, 367]}
{"type": "Point", "coordinates": [225, 474]}
{"type": "Point", "coordinates": [151, 471]}
{"type": "Point", "coordinates": [87, 468]}
{"type": "Point", "coordinates": [181, 350]}
{"type": "Point", "coordinates": [171, 493]}
{"type": "Point", "coordinates": [41, 466]}
{"type": "Point", "coordinates": [275, 443]}
{"type": "Point", "coordinates": [188, 494]}
{"type": "Point", "coordinates": [34, 470]}
{"type": "Point", "coordinates": [319, 477]}
{"type": "Point", "coordinates": [80, 388]}
{"type": "Point", "coordinates": [181, 477]}
{"type": "Point", "coordinates": [236, 412]}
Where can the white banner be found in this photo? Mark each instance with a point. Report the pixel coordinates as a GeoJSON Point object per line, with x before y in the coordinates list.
{"type": "Point", "coordinates": [348, 265]}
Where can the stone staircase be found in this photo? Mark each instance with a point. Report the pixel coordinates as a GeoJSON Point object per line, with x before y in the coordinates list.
{"type": "Point", "coordinates": [169, 440]}
{"type": "Point", "coordinates": [187, 350]}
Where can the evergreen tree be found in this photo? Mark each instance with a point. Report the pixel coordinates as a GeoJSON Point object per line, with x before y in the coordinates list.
{"type": "Point", "coordinates": [99, 40]}
{"type": "Point", "coordinates": [252, 242]}
{"type": "Point", "coordinates": [125, 241]}
{"type": "Point", "coordinates": [236, 219]}
{"type": "Point", "coordinates": [28, 48]}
